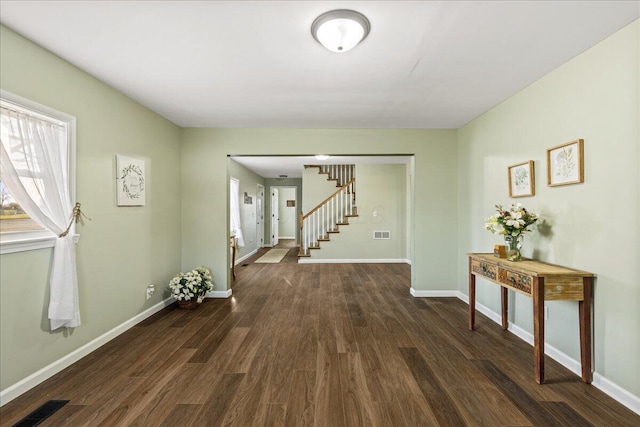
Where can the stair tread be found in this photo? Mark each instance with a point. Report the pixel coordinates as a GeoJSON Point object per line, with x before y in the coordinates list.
{"type": "Point", "coordinates": [349, 193]}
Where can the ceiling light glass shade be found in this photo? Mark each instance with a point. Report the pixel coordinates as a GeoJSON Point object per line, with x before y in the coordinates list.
{"type": "Point", "coordinates": [340, 30]}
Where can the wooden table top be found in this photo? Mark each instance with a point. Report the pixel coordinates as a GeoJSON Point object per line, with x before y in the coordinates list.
{"type": "Point", "coordinates": [530, 267]}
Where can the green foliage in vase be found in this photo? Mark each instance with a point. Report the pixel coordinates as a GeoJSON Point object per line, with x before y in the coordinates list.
{"type": "Point", "coordinates": [512, 222]}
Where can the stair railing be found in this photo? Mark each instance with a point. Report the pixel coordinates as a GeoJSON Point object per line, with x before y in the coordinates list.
{"type": "Point", "coordinates": [325, 218]}
{"type": "Point", "coordinates": [341, 173]}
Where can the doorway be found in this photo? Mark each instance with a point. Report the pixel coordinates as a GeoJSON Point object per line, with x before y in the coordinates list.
{"type": "Point", "coordinates": [287, 212]}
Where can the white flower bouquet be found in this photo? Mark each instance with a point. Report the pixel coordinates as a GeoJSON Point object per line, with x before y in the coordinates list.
{"type": "Point", "coordinates": [512, 222]}
{"type": "Point", "coordinates": [193, 284]}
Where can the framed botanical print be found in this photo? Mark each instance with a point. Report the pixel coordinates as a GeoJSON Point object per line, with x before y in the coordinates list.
{"type": "Point", "coordinates": [522, 179]}
{"type": "Point", "coordinates": [565, 163]}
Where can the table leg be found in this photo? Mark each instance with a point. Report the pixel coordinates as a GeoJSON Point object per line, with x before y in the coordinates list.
{"type": "Point", "coordinates": [504, 298]}
{"type": "Point", "coordinates": [538, 328]}
{"type": "Point", "coordinates": [472, 298]}
{"type": "Point", "coordinates": [233, 258]}
{"type": "Point", "coordinates": [584, 309]}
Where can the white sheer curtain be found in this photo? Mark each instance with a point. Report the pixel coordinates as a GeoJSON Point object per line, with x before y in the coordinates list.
{"type": "Point", "coordinates": [234, 215]}
{"type": "Point", "coordinates": [35, 170]}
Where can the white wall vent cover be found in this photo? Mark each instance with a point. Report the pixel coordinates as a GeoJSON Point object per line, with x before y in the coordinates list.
{"type": "Point", "coordinates": [377, 235]}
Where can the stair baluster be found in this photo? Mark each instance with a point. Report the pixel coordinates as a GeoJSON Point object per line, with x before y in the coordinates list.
{"type": "Point", "coordinates": [328, 215]}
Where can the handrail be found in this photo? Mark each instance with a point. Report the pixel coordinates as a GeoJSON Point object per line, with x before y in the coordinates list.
{"type": "Point", "coordinates": [328, 198]}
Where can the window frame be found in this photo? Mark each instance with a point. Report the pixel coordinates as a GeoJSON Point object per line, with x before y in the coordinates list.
{"type": "Point", "coordinates": [21, 241]}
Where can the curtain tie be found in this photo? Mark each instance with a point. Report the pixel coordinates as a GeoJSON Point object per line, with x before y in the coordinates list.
{"type": "Point", "coordinates": [76, 216]}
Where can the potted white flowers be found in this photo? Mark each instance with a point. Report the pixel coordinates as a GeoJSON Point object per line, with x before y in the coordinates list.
{"type": "Point", "coordinates": [191, 287]}
{"type": "Point", "coordinates": [512, 223]}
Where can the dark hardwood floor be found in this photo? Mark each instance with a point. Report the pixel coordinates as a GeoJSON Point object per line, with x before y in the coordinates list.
{"type": "Point", "coordinates": [318, 344]}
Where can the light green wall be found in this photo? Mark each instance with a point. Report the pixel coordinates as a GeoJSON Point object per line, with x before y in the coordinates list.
{"type": "Point", "coordinates": [381, 189]}
{"type": "Point", "coordinates": [249, 181]}
{"type": "Point", "coordinates": [591, 226]}
{"type": "Point", "coordinates": [316, 189]}
{"type": "Point", "coordinates": [121, 250]}
{"type": "Point", "coordinates": [204, 152]}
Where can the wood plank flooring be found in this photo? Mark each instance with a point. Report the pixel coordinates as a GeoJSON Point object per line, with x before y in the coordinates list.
{"type": "Point", "coordinates": [318, 345]}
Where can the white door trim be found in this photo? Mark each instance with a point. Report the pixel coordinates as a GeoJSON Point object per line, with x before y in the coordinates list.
{"type": "Point", "coordinates": [260, 216]}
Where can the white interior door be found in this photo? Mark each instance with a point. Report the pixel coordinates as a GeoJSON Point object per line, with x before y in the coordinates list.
{"type": "Point", "coordinates": [274, 216]}
{"type": "Point", "coordinates": [260, 216]}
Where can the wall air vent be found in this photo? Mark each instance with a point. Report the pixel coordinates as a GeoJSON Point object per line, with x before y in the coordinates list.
{"type": "Point", "coordinates": [381, 235]}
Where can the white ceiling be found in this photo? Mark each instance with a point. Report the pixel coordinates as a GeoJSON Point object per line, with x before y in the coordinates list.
{"type": "Point", "coordinates": [425, 64]}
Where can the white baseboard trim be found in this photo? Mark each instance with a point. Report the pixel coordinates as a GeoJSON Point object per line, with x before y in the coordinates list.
{"type": "Point", "coordinates": [608, 387]}
{"type": "Point", "coordinates": [526, 336]}
{"type": "Point", "coordinates": [432, 294]}
{"type": "Point", "coordinates": [219, 294]}
{"type": "Point", "coordinates": [26, 384]}
{"type": "Point", "coordinates": [286, 237]}
{"type": "Point", "coordinates": [250, 254]}
{"type": "Point", "coordinates": [560, 357]}
{"type": "Point", "coordinates": [351, 261]}
{"type": "Point", "coordinates": [616, 392]}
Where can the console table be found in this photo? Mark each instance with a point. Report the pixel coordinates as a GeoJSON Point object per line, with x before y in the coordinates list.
{"type": "Point", "coordinates": [540, 281]}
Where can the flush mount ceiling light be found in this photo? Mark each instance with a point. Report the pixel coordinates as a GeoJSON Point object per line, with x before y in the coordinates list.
{"type": "Point", "coordinates": [321, 157]}
{"type": "Point", "coordinates": [340, 30]}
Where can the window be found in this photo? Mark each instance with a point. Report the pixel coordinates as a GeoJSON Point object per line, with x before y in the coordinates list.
{"type": "Point", "coordinates": [18, 232]}
{"type": "Point", "coordinates": [13, 218]}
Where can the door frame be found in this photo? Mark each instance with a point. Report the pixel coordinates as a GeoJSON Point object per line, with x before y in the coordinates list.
{"type": "Point", "coordinates": [275, 215]}
{"type": "Point", "coordinates": [297, 204]}
{"type": "Point", "coordinates": [260, 216]}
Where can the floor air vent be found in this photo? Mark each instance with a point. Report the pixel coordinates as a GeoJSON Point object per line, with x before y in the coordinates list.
{"type": "Point", "coordinates": [381, 235]}
{"type": "Point", "coordinates": [41, 414]}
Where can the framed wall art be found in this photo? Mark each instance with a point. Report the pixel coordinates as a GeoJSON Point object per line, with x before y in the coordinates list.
{"type": "Point", "coordinates": [130, 181]}
{"type": "Point", "coordinates": [565, 163]}
{"type": "Point", "coordinates": [522, 179]}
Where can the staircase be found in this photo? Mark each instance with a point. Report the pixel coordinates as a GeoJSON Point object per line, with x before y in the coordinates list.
{"type": "Point", "coordinates": [326, 218]}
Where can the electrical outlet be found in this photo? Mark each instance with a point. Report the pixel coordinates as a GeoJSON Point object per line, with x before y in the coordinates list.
{"type": "Point", "coordinates": [150, 291]}
{"type": "Point", "coordinates": [546, 312]}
